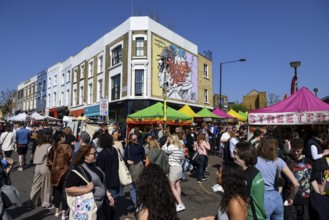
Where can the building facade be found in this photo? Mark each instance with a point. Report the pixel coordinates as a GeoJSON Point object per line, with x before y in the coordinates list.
{"type": "Point", "coordinates": [134, 66]}
{"type": "Point", "coordinates": [255, 100]}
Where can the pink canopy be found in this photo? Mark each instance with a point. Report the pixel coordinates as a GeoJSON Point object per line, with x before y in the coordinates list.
{"type": "Point", "coordinates": [222, 114]}
{"type": "Point", "coordinates": [303, 107]}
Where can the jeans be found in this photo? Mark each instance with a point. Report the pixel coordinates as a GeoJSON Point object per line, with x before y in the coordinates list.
{"type": "Point", "coordinates": [201, 167]}
{"type": "Point", "coordinates": [273, 205]}
{"type": "Point", "coordinates": [133, 193]}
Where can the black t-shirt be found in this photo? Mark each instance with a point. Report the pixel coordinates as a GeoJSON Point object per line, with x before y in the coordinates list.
{"type": "Point", "coordinates": [74, 180]}
{"type": "Point", "coordinates": [304, 173]}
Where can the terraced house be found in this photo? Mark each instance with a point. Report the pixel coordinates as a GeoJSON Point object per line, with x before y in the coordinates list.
{"type": "Point", "coordinates": [132, 67]}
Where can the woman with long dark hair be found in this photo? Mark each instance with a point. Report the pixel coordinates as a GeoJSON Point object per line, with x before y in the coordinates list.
{"type": "Point", "coordinates": [84, 163]}
{"type": "Point", "coordinates": [160, 204]}
{"type": "Point", "coordinates": [234, 205]}
{"type": "Point", "coordinates": [58, 161]}
{"type": "Point", "coordinates": [107, 161]}
{"type": "Point", "coordinates": [245, 156]}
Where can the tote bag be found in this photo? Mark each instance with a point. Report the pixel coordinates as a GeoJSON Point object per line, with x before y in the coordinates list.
{"type": "Point", "coordinates": [124, 174]}
{"type": "Point", "coordinates": [82, 206]}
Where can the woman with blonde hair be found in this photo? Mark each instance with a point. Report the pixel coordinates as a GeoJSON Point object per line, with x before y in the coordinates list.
{"type": "Point", "coordinates": [270, 167]}
{"type": "Point", "coordinates": [176, 157]}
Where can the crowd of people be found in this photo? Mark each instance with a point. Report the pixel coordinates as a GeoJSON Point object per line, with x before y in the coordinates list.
{"type": "Point", "coordinates": [272, 175]}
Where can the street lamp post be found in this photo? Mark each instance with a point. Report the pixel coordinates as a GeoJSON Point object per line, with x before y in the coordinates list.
{"type": "Point", "coordinates": [294, 82]}
{"type": "Point", "coordinates": [316, 91]}
{"type": "Point", "coordinates": [220, 78]}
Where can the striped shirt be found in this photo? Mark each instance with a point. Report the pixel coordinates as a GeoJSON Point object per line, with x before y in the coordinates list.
{"type": "Point", "coordinates": [176, 155]}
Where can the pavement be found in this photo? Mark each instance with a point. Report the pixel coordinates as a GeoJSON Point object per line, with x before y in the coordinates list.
{"type": "Point", "coordinates": [199, 199]}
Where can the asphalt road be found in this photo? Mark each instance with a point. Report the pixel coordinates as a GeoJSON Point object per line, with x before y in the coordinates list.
{"type": "Point", "coordinates": [199, 199]}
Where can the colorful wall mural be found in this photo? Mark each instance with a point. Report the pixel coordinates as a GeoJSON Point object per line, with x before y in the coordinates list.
{"type": "Point", "coordinates": [175, 70]}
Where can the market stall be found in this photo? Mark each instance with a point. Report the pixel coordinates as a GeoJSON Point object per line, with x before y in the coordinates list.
{"type": "Point", "coordinates": [301, 108]}
{"type": "Point", "coordinates": [154, 114]}
{"type": "Point", "coordinates": [205, 115]}
{"type": "Point", "coordinates": [237, 115]}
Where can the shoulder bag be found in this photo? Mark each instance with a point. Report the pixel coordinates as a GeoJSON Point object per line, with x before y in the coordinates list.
{"type": "Point", "coordinates": [82, 206]}
{"type": "Point", "coordinates": [3, 140]}
{"type": "Point", "coordinates": [135, 169]}
{"type": "Point", "coordinates": [124, 174]}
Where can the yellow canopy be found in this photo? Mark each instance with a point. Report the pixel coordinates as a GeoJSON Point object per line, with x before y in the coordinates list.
{"type": "Point", "coordinates": [237, 115]}
{"type": "Point", "coordinates": [186, 109]}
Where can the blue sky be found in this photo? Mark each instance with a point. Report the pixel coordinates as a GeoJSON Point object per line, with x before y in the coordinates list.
{"type": "Point", "coordinates": [36, 34]}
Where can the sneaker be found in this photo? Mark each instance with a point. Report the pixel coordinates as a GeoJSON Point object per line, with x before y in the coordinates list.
{"type": "Point", "coordinates": [204, 178]}
{"type": "Point", "coordinates": [199, 181]}
{"type": "Point", "coordinates": [51, 206]}
{"type": "Point", "coordinates": [57, 214]}
{"type": "Point", "coordinates": [180, 207]}
{"type": "Point", "coordinates": [20, 169]}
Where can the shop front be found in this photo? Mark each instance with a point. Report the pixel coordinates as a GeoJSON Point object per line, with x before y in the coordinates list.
{"type": "Point", "coordinates": [77, 112]}
{"type": "Point", "coordinates": [53, 112]}
{"type": "Point", "coordinates": [92, 111]}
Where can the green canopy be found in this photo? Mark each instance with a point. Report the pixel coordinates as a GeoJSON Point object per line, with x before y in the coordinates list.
{"type": "Point", "coordinates": [155, 114]}
{"type": "Point", "coordinates": [206, 113]}
{"type": "Point", "coordinates": [243, 114]}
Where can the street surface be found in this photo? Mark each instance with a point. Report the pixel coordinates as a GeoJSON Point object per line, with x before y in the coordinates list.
{"type": "Point", "coordinates": [199, 199]}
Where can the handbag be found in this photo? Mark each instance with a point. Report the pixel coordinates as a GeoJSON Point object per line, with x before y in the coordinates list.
{"type": "Point", "coordinates": [10, 196]}
{"type": "Point", "coordinates": [3, 141]}
{"type": "Point", "coordinates": [82, 206]}
{"type": "Point", "coordinates": [278, 181]}
{"type": "Point", "coordinates": [136, 170]}
{"type": "Point", "coordinates": [124, 174]}
{"type": "Point", "coordinates": [195, 157]}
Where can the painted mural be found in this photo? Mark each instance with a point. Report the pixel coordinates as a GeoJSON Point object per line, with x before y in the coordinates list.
{"type": "Point", "coordinates": [176, 71]}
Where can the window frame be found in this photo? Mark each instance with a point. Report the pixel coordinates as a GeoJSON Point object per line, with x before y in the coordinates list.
{"type": "Point", "coordinates": [116, 55]}
{"type": "Point", "coordinates": [139, 82]}
{"type": "Point", "coordinates": [115, 87]}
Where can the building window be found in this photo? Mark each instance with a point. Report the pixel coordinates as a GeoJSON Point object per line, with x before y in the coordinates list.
{"type": "Point", "coordinates": [63, 77]}
{"type": "Point", "coordinates": [90, 93]}
{"type": "Point", "coordinates": [67, 97]}
{"type": "Point", "coordinates": [100, 64]}
{"type": "Point", "coordinates": [139, 46]}
{"type": "Point", "coordinates": [68, 76]}
{"type": "Point", "coordinates": [75, 75]}
{"type": "Point", "coordinates": [48, 101]}
{"type": "Point", "coordinates": [74, 97]}
{"type": "Point", "coordinates": [100, 90]}
{"type": "Point", "coordinates": [205, 70]}
{"type": "Point", "coordinates": [115, 90]}
{"type": "Point", "coordinates": [116, 55]}
{"type": "Point", "coordinates": [55, 80]}
{"type": "Point", "coordinates": [91, 69]}
{"type": "Point", "coordinates": [54, 102]}
{"type": "Point", "coordinates": [81, 95]}
{"type": "Point", "coordinates": [49, 82]}
{"type": "Point", "coordinates": [206, 96]}
{"type": "Point", "coordinates": [44, 85]}
{"type": "Point", "coordinates": [82, 72]}
{"type": "Point", "coordinates": [139, 82]}
{"type": "Point", "coordinates": [61, 101]}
